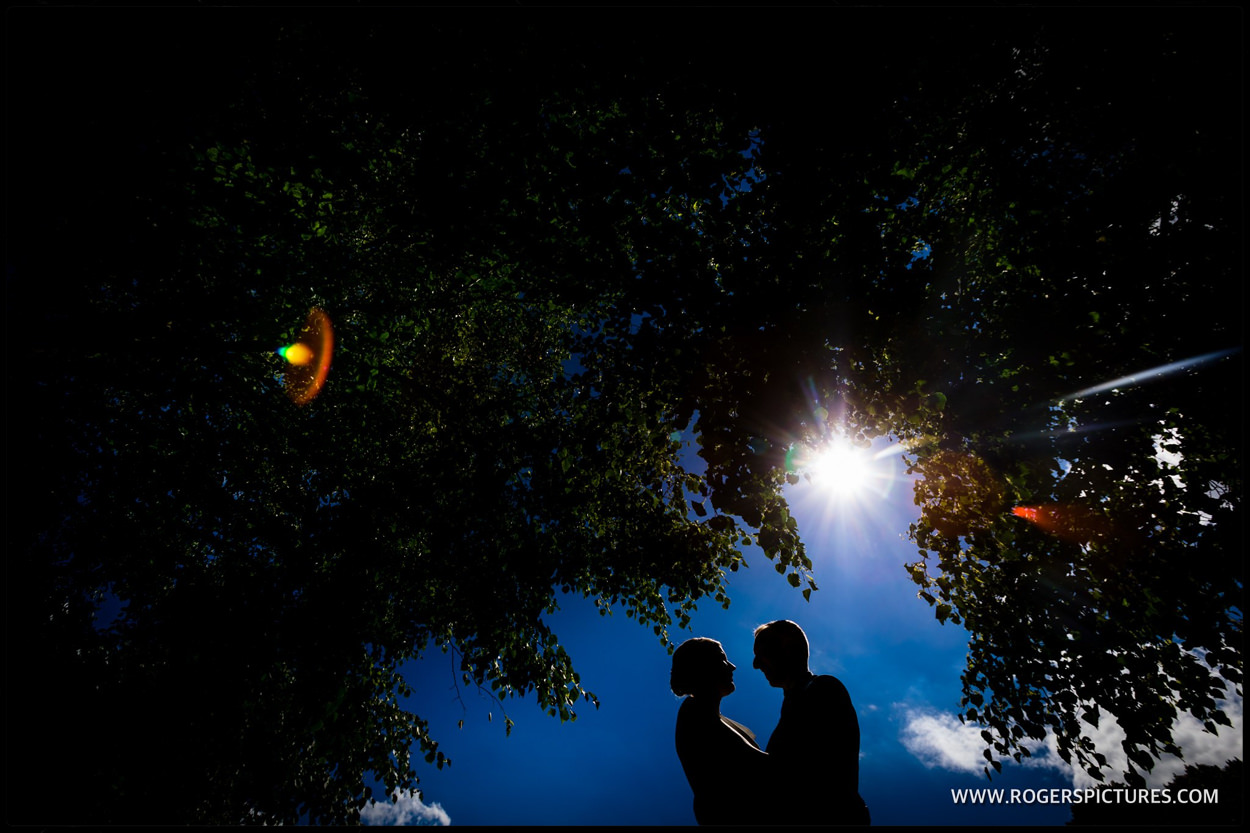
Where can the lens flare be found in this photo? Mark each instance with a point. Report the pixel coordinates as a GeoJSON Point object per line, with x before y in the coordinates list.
{"type": "Point", "coordinates": [308, 359]}
{"type": "Point", "coordinates": [1071, 522]}
{"type": "Point", "coordinates": [296, 353]}
{"type": "Point", "coordinates": [1151, 375]}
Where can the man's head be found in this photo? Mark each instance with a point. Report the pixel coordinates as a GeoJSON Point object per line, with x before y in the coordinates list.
{"type": "Point", "coordinates": [781, 652]}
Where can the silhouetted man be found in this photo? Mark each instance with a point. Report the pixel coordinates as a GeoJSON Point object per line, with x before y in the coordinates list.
{"type": "Point", "coordinates": [815, 747]}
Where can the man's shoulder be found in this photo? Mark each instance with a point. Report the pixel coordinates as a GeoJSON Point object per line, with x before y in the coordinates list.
{"type": "Point", "coordinates": [827, 687]}
{"type": "Point", "coordinates": [828, 681]}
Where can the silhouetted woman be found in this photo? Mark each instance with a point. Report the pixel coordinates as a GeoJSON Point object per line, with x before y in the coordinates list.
{"type": "Point", "coordinates": [725, 766]}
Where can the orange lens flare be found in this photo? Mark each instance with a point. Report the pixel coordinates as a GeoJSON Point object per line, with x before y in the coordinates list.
{"type": "Point", "coordinates": [308, 359]}
{"type": "Point", "coordinates": [1069, 522]}
{"type": "Point", "coordinates": [297, 353]}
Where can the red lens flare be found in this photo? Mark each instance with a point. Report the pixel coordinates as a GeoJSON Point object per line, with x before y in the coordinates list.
{"type": "Point", "coordinates": [1069, 522]}
{"type": "Point", "coordinates": [308, 359]}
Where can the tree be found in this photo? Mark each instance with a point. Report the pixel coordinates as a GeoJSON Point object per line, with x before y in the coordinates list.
{"type": "Point", "coordinates": [1091, 198]}
{"type": "Point", "coordinates": [537, 282]}
{"type": "Point", "coordinates": [498, 429]}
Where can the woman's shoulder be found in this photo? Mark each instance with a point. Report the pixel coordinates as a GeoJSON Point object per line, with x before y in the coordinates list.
{"type": "Point", "coordinates": [694, 729]}
{"type": "Point", "coordinates": [691, 713]}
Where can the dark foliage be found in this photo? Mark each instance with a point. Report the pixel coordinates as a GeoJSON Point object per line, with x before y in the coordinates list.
{"type": "Point", "coordinates": [1211, 796]}
{"type": "Point", "coordinates": [547, 257]}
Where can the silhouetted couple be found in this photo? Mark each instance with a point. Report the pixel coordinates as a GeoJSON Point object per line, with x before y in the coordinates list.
{"type": "Point", "coordinates": [809, 773]}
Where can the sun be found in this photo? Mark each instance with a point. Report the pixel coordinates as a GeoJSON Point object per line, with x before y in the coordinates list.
{"type": "Point", "coordinates": [843, 494]}
{"type": "Point", "coordinates": [841, 469]}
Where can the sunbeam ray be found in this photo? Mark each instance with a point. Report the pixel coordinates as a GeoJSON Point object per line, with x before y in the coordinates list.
{"type": "Point", "coordinates": [1150, 375]}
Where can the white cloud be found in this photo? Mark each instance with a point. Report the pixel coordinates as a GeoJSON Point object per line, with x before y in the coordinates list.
{"type": "Point", "coordinates": [1197, 745]}
{"type": "Point", "coordinates": [408, 809]}
{"type": "Point", "coordinates": [940, 741]}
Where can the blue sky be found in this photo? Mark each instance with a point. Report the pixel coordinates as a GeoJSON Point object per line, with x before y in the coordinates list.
{"type": "Point", "coordinates": [617, 764]}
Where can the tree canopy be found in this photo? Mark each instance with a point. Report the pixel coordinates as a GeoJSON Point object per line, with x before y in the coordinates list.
{"type": "Point", "coordinates": [547, 261]}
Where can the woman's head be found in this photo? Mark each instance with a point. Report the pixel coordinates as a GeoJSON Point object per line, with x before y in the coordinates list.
{"type": "Point", "coordinates": [700, 667]}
